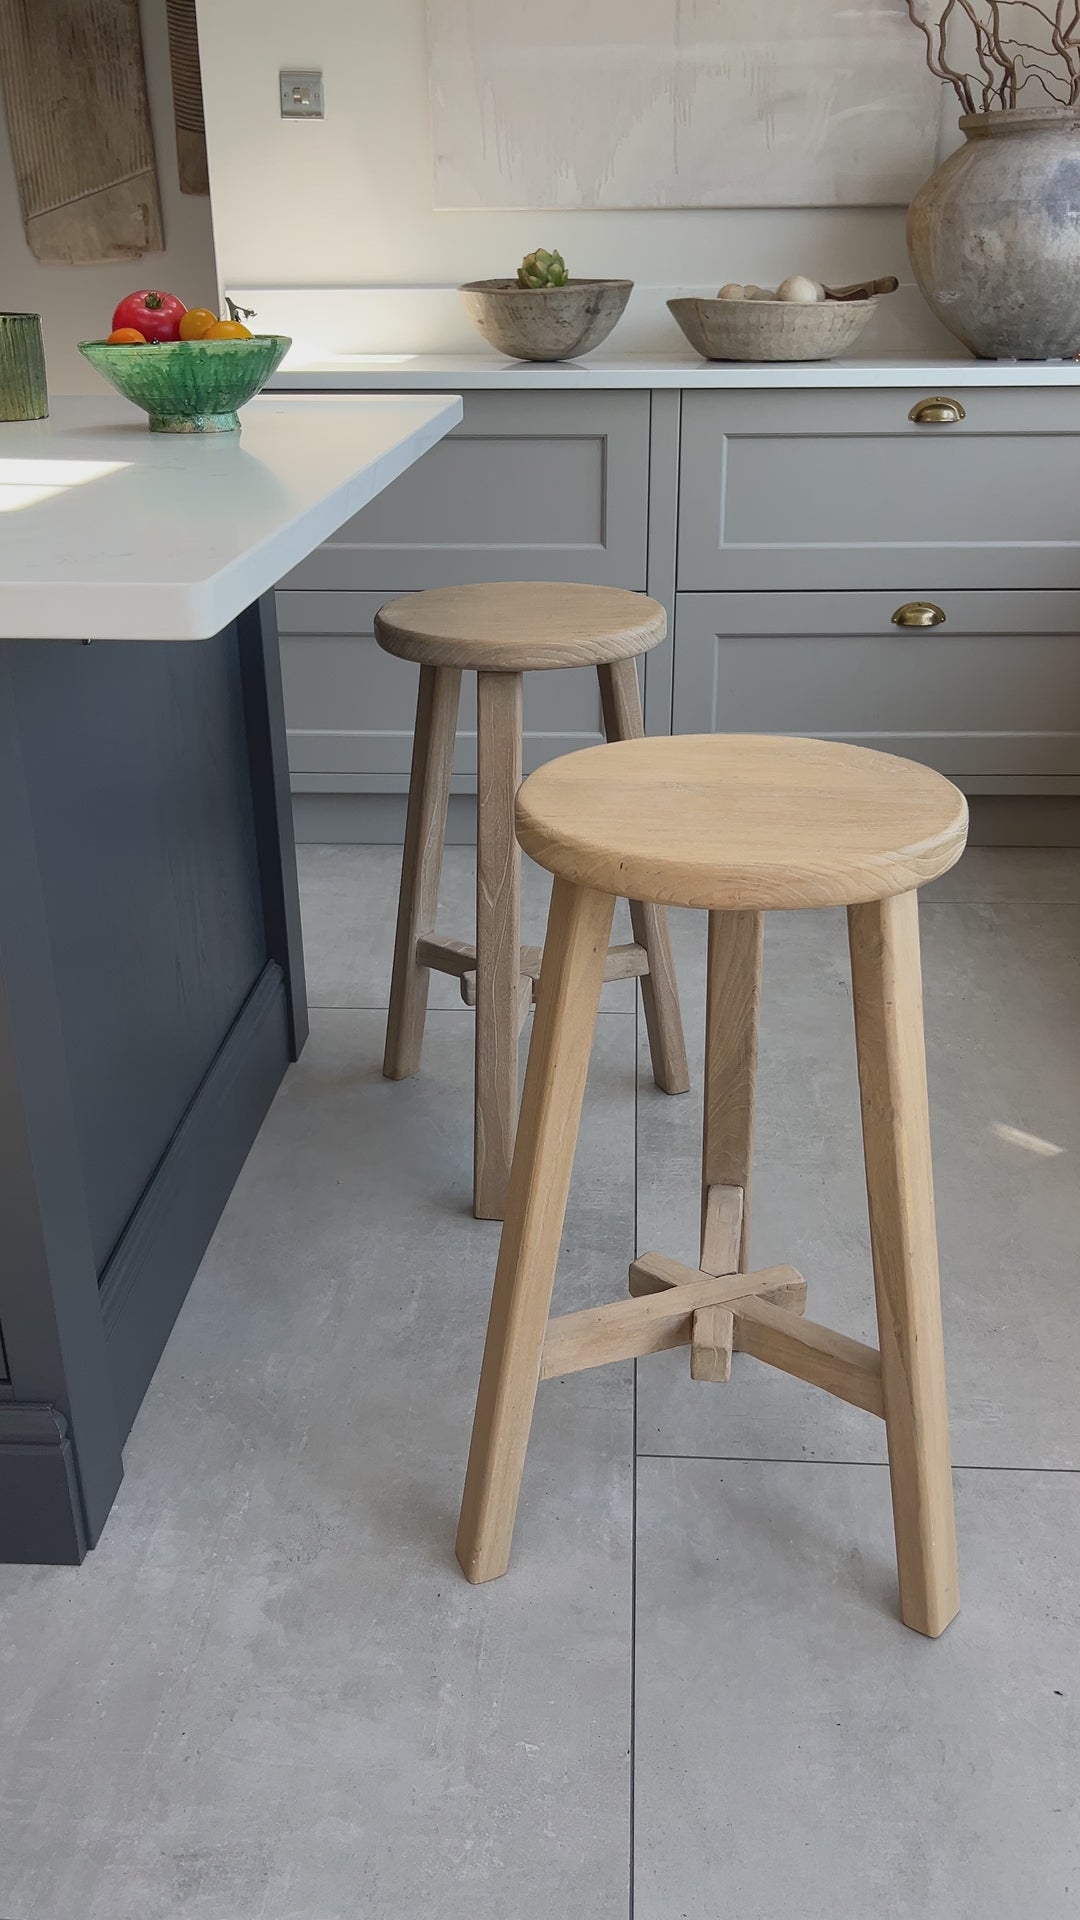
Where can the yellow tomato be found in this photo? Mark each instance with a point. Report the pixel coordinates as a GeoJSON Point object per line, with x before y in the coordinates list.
{"type": "Point", "coordinates": [196, 323]}
{"type": "Point", "coordinates": [227, 330]}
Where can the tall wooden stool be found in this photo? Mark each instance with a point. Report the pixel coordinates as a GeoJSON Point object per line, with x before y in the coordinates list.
{"type": "Point", "coordinates": [503, 632]}
{"type": "Point", "coordinates": [738, 825]}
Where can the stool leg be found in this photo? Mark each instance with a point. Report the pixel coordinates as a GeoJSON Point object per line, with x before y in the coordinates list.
{"type": "Point", "coordinates": [498, 937]}
{"type": "Point", "coordinates": [620, 700]}
{"type": "Point", "coordinates": [732, 1008]}
{"type": "Point", "coordinates": [887, 992]}
{"type": "Point", "coordinates": [575, 950]}
{"type": "Point", "coordinates": [421, 864]}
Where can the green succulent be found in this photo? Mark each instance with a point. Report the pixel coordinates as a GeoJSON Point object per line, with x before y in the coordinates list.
{"type": "Point", "coordinates": [542, 269]}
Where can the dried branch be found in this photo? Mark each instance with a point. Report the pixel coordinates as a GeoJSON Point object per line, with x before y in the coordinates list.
{"type": "Point", "coordinates": [984, 53]}
{"type": "Point", "coordinates": [1048, 75]}
{"type": "Point", "coordinates": [1006, 63]}
{"type": "Point", "coordinates": [935, 56]}
{"type": "Point", "coordinates": [1065, 48]}
{"type": "Point", "coordinates": [1008, 88]}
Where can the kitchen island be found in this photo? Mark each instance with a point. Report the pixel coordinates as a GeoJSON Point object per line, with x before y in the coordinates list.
{"type": "Point", "coordinates": [151, 973]}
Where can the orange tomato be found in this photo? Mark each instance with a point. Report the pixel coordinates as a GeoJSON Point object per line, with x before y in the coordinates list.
{"type": "Point", "coordinates": [126, 337]}
{"type": "Point", "coordinates": [197, 323]}
{"type": "Point", "coordinates": [227, 330]}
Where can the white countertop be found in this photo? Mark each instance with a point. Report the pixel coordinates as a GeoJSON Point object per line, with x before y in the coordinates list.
{"type": "Point", "coordinates": [108, 531]}
{"type": "Point", "coordinates": [342, 372]}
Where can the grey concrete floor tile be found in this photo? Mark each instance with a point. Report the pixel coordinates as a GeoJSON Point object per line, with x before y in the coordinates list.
{"type": "Point", "coordinates": [800, 1754]}
{"type": "Point", "coordinates": [348, 897]}
{"type": "Point", "coordinates": [270, 1693]}
{"type": "Point", "coordinates": [1006, 875]}
{"type": "Point", "coordinates": [1002, 987]}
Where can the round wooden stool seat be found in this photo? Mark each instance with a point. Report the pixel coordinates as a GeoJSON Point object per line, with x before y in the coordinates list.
{"type": "Point", "coordinates": [520, 626]}
{"type": "Point", "coordinates": [741, 821]}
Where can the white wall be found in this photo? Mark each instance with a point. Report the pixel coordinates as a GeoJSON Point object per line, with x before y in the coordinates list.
{"type": "Point", "coordinates": [76, 303]}
{"type": "Point", "coordinates": [347, 202]}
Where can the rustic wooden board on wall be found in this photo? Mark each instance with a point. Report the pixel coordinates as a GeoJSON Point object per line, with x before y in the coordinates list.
{"type": "Point", "coordinates": [79, 122]}
{"type": "Point", "coordinates": [187, 96]}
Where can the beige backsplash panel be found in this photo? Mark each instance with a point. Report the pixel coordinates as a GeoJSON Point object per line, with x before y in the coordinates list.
{"type": "Point", "coordinates": [678, 103]}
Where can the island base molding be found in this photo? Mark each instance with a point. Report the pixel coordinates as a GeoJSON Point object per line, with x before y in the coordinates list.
{"type": "Point", "coordinates": [41, 1513]}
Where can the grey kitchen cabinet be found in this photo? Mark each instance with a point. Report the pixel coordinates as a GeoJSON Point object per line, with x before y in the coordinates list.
{"type": "Point", "coordinates": [781, 528]}
{"type": "Point", "coordinates": [544, 486]}
{"type": "Point", "coordinates": [351, 706]}
{"type": "Point", "coordinates": [828, 489]}
{"type": "Point", "coordinates": [993, 693]}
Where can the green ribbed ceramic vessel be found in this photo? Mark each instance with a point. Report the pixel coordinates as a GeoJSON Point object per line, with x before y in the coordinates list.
{"type": "Point", "coordinates": [23, 392]}
{"type": "Point", "coordinates": [190, 386]}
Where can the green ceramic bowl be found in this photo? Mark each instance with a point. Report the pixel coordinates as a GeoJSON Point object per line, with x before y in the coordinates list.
{"type": "Point", "coordinates": [190, 386]}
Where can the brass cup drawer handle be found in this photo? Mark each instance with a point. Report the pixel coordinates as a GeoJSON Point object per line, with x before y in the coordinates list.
{"type": "Point", "coordinates": [938, 411]}
{"type": "Point", "coordinates": [919, 613]}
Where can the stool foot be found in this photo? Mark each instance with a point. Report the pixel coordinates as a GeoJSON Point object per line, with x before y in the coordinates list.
{"type": "Point", "coordinates": [887, 993]}
{"type": "Point", "coordinates": [421, 865]}
{"type": "Point", "coordinates": [712, 1336]}
{"type": "Point", "coordinates": [579, 925]}
{"type": "Point", "coordinates": [620, 699]}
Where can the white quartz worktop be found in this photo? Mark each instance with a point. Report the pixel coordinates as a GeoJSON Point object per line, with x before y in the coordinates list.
{"type": "Point", "coordinates": [467, 372]}
{"type": "Point", "coordinates": [108, 531]}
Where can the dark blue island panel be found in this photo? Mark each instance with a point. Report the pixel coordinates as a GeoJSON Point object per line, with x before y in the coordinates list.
{"type": "Point", "coordinates": [151, 997]}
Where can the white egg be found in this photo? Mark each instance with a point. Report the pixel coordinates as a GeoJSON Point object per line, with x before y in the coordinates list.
{"type": "Point", "coordinates": [799, 290]}
{"type": "Point", "coordinates": [732, 291]}
{"type": "Point", "coordinates": [762, 293]}
{"type": "Point", "coordinates": [751, 290]}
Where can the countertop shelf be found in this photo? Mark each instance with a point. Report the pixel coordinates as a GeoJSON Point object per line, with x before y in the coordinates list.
{"type": "Point", "coordinates": [108, 531]}
{"type": "Point", "coordinates": [467, 372]}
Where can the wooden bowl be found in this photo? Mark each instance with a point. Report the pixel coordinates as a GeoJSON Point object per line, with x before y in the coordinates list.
{"type": "Point", "coordinates": [546, 323]}
{"type": "Point", "coordinates": [772, 329]}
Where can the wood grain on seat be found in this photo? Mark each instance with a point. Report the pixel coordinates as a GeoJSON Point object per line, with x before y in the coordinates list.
{"type": "Point", "coordinates": [741, 821]}
{"type": "Point", "coordinates": [520, 626]}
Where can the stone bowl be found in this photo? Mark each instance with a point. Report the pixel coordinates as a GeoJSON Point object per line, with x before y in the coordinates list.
{"type": "Point", "coordinates": [190, 386]}
{"type": "Point", "coordinates": [546, 323]}
{"type": "Point", "coordinates": [772, 329]}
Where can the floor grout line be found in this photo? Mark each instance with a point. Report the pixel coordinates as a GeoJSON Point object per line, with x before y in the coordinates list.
{"type": "Point", "coordinates": [634, 1495]}
{"type": "Point", "coordinates": [797, 1460]}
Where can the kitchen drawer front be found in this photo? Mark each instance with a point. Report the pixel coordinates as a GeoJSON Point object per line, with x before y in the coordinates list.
{"type": "Point", "coordinates": [994, 692]}
{"type": "Point", "coordinates": [349, 707]}
{"type": "Point", "coordinates": [839, 489]}
{"type": "Point", "coordinates": [540, 486]}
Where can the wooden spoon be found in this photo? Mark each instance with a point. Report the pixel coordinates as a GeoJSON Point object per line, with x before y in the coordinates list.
{"type": "Point", "coordinates": [863, 289]}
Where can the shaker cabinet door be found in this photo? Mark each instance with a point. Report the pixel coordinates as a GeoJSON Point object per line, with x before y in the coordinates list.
{"type": "Point", "coordinates": [539, 486]}
{"type": "Point", "coordinates": [992, 692]}
{"type": "Point", "coordinates": [350, 706]}
{"type": "Point", "coordinates": [833, 489]}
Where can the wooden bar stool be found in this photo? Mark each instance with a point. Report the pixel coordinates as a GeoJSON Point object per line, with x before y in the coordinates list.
{"type": "Point", "coordinates": [738, 825]}
{"type": "Point", "coordinates": [502, 632]}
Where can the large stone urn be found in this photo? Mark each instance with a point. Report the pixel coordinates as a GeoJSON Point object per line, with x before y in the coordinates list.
{"type": "Point", "coordinates": [994, 235]}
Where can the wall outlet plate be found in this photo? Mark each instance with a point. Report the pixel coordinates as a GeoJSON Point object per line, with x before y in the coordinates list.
{"type": "Point", "coordinates": [301, 95]}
